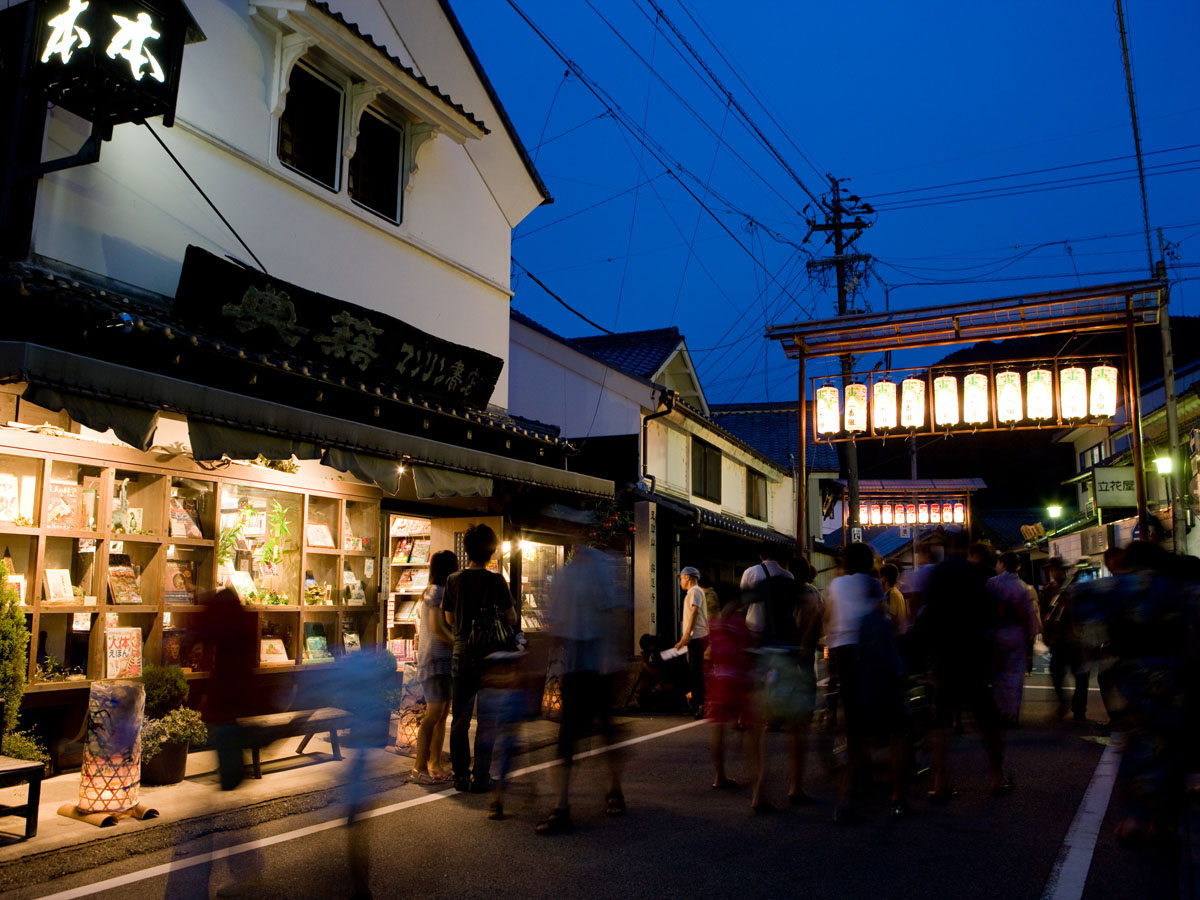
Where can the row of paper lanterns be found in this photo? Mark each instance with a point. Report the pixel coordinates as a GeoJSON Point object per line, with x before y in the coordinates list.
{"type": "Point", "coordinates": [1011, 407]}
{"type": "Point", "coordinates": [911, 513]}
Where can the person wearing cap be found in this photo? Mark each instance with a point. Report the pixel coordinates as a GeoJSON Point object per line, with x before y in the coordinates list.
{"type": "Point", "coordinates": [694, 633]}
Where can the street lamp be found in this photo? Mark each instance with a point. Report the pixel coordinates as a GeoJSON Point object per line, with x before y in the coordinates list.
{"type": "Point", "coordinates": [1054, 512]}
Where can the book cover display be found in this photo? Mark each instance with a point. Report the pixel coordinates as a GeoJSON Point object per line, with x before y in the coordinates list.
{"type": "Point", "coordinates": [123, 652]}
{"type": "Point", "coordinates": [180, 586]}
{"type": "Point", "coordinates": [62, 505]}
{"type": "Point", "coordinates": [272, 652]}
{"type": "Point", "coordinates": [58, 586]}
{"type": "Point", "coordinates": [317, 534]}
{"type": "Point", "coordinates": [355, 593]}
{"type": "Point", "coordinates": [123, 580]}
{"type": "Point", "coordinates": [10, 506]}
{"type": "Point", "coordinates": [185, 521]}
{"type": "Point", "coordinates": [351, 642]}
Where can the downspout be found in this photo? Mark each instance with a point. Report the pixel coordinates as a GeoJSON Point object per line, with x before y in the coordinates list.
{"type": "Point", "coordinates": [667, 399]}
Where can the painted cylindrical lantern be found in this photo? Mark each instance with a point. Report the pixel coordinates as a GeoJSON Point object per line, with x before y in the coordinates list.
{"type": "Point", "coordinates": [912, 403]}
{"type": "Point", "coordinates": [829, 414]}
{"type": "Point", "coordinates": [1104, 391]}
{"type": "Point", "coordinates": [1072, 392]}
{"type": "Point", "coordinates": [883, 405]}
{"type": "Point", "coordinates": [1039, 393]}
{"type": "Point", "coordinates": [975, 399]}
{"type": "Point", "coordinates": [945, 401]}
{"type": "Point", "coordinates": [1008, 397]}
{"type": "Point", "coordinates": [856, 407]}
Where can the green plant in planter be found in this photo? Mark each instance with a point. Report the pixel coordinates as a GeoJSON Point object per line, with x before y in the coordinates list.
{"type": "Point", "coordinates": [26, 745]}
{"type": "Point", "coordinates": [14, 651]}
{"type": "Point", "coordinates": [182, 725]}
{"type": "Point", "coordinates": [166, 689]}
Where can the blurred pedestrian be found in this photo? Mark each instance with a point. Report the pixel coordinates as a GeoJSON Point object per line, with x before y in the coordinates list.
{"type": "Point", "coordinates": [434, 655]}
{"type": "Point", "coordinates": [1017, 624]}
{"type": "Point", "coordinates": [504, 703]}
{"type": "Point", "coordinates": [476, 603]}
{"type": "Point", "coordinates": [895, 601]}
{"type": "Point", "coordinates": [956, 627]}
{"type": "Point", "coordinates": [1066, 649]}
{"type": "Point", "coordinates": [693, 635]}
{"type": "Point", "coordinates": [587, 617]}
{"type": "Point", "coordinates": [729, 680]}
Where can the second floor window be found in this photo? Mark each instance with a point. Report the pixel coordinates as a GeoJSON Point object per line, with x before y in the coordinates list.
{"type": "Point", "coordinates": [756, 496]}
{"type": "Point", "coordinates": [375, 167]}
{"type": "Point", "coordinates": [1091, 457]}
{"type": "Point", "coordinates": [310, 129]}
{"type": "Point", "coordinates": [706, 471]}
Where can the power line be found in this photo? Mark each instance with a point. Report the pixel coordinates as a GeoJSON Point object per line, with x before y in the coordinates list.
{"type": "Point", "coordinates": [564, 303]}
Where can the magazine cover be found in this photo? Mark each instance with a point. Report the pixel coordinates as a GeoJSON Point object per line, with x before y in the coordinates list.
{"type": "Point", "coordinates": [123, 652]}
{"type": "Point", "coordinates": [272, 652]}
{"type": "Point", "coordinates": [420, 551]}
{"type": "Point", "coordinates": [350, 641]}
{"type": "Point", "coordinates": [180, 584]}
{"type": "Point", "coordinates": [183, 522]}
{"type": "Point", "coordinates": [62, 505]}
{"type": "Point", "coordinates": [123, 584]}
{"type": "Point", "coordinates": [10, 507]}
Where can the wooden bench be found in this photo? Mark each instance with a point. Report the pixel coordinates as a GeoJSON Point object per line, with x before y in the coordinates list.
{"type": "Point", "coordinates": [263, 730]}
{"type": "Point", "coordinates": [18, 771]}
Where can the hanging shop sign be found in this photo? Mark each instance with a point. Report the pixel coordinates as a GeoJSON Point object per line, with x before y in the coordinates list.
{"type": "Point", "coordinates": [975, 399]}
{"type": "Point", "coordinates": [945, 401]}
{"type": "Point", "coordinates": [912, 403]}
{"type": "Point", "coordinates": [254, 311]}
{"type": "Point", "coordinates": [1072, 389]}
{"type": "Point", "coordinates": [829, 416]}
{"type": "Point", "coordinates": [1104, 391]}
{"type": "Point", "coordinates": [883, 405]}
{"type": "Point", "coordinates": [1114, 486]}
{"type": "Point", "coordinates": [107, 61]}
{"type": "Point", "coordinates": [1008, 396]}
{"type": "Point", "coordinates": [856, 408]}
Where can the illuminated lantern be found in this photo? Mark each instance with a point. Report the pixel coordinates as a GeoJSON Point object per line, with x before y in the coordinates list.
{"type": "Point", "coordinates": [887, 514]}
{"type": "Point", "coordinates": [960, 513]}
{"type": "Point", "coordinates": [876, 514]}
{"type": "Point", "coordinates": [856, 407]}
{"type": "Point", "coordinates": [864, 514]}
{"type": "Point", "coordinates": [829, 415]}
{"type": "Point", "coordinates": [1072, 383]}
{"type": "Point", "coordinates": [1104, 391]}
{"type": "Point", "coordinates": [945, 400]}
{"type": "Point", "coordinates": [1039, 393]}
{"type": "Point", "coordinates": [552, 699]}
{"type": "Point", "coordinates": [975, 399]}
{"type": "Point", "coordinates": [112, 754]}
{"type": "Point", "coordinates": [935, 514]}
{"type": "Point", "coordinates": [912, 514]}
{"type": "Point", "coordinates": [1008, 396]}
{"type": "Point", "coordinates": [883, 404]}
{"type": "Point", "coordinates": [900, 520]}
{"type": "Point", "coordinates": [947, 513]}
{"type": "Point", "coordinates": [923, 513]}
{"type": "Point", "coordinates": [912, 403]}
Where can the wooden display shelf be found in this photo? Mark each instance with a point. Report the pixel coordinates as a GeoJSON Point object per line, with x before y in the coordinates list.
{"type": "Point", "coordinates": [24, 530]}
{"type": "Point", "coordinates": [69, 608]}
{"type": "Point", "coordinates": [189, 541]}
{"type": "Point", "coordinates": [134, 538]}
{"type": "Point", "coordinates": [132, 607]}
{"type": "Point", "coordinates": [73, 533]}
{"type": "Point", "coordinates": [358, 554]}
{"type": "Point", "coordinates": [47, 686]}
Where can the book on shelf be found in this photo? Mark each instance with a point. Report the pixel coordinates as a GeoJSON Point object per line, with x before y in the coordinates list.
{"type": "Point", "coordinates": [17, 583]}
{"type": "Point", "coordinates": [62, 505]}
{"type": "Point", "coordinates": [403, 525]}
{"type": "Point", "coordinates": [172, 645]}
{"type": "Point", "coordinates": [81, 622]}
{"type": "Point", "coordinates": [351, 642]}
{"type": "Point", "coordinates": [317, 534]}
{"type": "Point", "coordinates": [355, 593]}
{"type": "Point", "coordinates": [403, 548]}
{"type": "Point", "coordinates": [58, 586]}
{"type": "Point", "coordinates": [316, 647]}
{"type": "Point", "coordinates": [412, 581]}
{"type": "Point", "coordinates": [406, 610]}
{"type": "Point", "coordinates": [123, 652]}
{"type": "Point", "coordinates": [180, 584]}
{"type": "Point", "coordinates": [10, 504]}
{"type": "Point", "coordinates": [240, 582]}
{"type": "Point", "coordinates": [183, 522]}
{"type": "Point", "coordinates": [420, 551]}
{"type": "Point", "coordinates": [272, 652]}
{"type": "Point", "coordinates": [404, 649]}
{"type": "Point", "coordinates": [122, 580]}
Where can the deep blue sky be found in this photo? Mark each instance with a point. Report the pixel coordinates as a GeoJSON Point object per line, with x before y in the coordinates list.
{"type": "Point", "coordinates": [892, 96]}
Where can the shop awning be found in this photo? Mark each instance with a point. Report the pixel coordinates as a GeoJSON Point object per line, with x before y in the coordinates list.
{"type": "Point", "coordinates": [225, 423]}
{"type": "Point", "coordinates": [708, 519]}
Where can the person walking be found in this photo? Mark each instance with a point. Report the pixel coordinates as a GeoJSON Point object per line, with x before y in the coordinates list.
{"type": "Point", "coordinates": [694, 633]}
{"type": "Point", "coordinates": [728, 683]}
{"type": "Point", "coordinates": [1066, 648]}
{"type": "Point", "coordinates": [434, 655]}
{"type": "Point", "coordinates": [1017, 623]}
{"type": "Point", "coordinates": [894, 600]}
{"type": "Point", "coordinates": [474, 598]}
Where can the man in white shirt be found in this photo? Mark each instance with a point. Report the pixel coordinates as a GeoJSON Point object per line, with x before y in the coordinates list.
{"type": "Point", "coordinates": [756, 614]}
{"type": "Point", "coordinates": [694, 633]}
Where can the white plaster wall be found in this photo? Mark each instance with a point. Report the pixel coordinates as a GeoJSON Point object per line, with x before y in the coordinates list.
{"type": "Point", "coordinates": [131, 216]}
{"type": "Point", "coordinates": [733, 487]}
{"type": "Point", "coordinates": [782, 506]}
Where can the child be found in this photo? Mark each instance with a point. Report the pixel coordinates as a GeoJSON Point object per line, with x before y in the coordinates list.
{"type": "Point", "coordinates": [503, 704]}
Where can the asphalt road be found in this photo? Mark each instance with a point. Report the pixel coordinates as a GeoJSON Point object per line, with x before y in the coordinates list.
{"type": "Point", "coordinates": [682, 839]}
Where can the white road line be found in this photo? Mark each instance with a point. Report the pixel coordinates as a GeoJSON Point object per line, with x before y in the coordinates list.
{"type": "Point", "coordinates": [1075, 858]}
{"type": "Point", "coordinates": [204, 858]}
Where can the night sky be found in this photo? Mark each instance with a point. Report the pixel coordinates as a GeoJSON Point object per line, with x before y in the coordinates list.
{"type": "Point", "coordinates": [687, 217]}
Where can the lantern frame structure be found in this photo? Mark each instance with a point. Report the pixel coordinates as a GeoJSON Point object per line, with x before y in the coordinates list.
{"type": "Point", "coordinates": [1095, 308]}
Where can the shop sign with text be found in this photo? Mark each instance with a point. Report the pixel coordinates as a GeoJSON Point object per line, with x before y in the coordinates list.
{"type": "Point", "coordinates": [1115, 486]}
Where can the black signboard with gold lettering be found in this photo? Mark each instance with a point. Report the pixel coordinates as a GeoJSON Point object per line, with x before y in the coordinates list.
{"type": "Point", "coordinates": [253, 311]}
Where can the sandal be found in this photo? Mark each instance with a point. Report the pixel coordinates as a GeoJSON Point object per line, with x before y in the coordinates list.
{"type": "Point", "coordinates": [558, 822]}
{"type": "Point", "coordinates": [496, 811]}
{"type": "Point", "coordinates": [614, 803]}
{"type": "Point", "coordinates": [425, 777]}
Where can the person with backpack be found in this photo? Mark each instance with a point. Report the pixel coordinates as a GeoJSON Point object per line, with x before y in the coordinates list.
{"type": "Point", "coordinates": [479, 610]}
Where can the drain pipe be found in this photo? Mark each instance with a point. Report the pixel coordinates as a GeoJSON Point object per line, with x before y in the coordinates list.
{"type": "Point", "coordinates": [666, 398]}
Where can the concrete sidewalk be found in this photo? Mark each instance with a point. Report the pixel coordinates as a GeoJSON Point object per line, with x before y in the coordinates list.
{"type": "Point", "coordinates": [288, 778]}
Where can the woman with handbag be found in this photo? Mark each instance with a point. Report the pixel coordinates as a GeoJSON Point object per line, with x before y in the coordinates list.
{"type": "Point", "coordinates": [479, 610]}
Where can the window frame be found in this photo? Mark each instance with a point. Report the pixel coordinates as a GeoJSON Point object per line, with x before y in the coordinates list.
{"type": "Point", "coordinates": [757, 496]}
{"type": "Point", "coordinates": [1095, 453]}
{"type": "Point", "coordinates": [398, 124]}
{"type": "Point", "coordinates": [706, 470]}
{"type": "Point", "coordinates": [339, 83]}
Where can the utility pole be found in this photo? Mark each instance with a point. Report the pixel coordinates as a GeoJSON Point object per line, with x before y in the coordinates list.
{"type": "Point", "coordinates": [835, 222]}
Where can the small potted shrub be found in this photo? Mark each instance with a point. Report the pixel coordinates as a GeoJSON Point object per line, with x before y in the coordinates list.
{"type": "Point", "coordinates": [169, 727]}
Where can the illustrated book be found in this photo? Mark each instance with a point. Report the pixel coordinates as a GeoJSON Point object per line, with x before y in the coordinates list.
{"type": "Point", "coordinates": [123, 652]}
{"type": "Point", "coordinates": [123, 584]}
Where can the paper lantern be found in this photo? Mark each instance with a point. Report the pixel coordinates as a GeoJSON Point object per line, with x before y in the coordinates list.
{"type": "Point", "coordinates": [552, 699]}
{"type": "Point", "coordinates": [864, 514]}
{"type": "Point", "coordinates": [887, 514]}
{"type": "Point", "coordinates": [407, 727]}
{"type": "Point", "coordinates": [856, 407]}
{"type": "Point", "coordinates": [935, 514]}
{"type": "Point", "coordinates": [912, 514]}
{"type": "Point", "coordinates": [112, 757]}
{"type": "Point", "coordinates": [829, 416]}
{"type": "Point", "coordinates": [975, 399]}
{"type": "Point", "coordinates": [923, 513]}
{"type": "Point", "coordinates": [899, 514]}
{"type": "Point", "coordinates": [1072, 392]}
{"type": "Point", "coordinates": [912, 403]}
{"type": "Point", "coordinates": [876, 514]}
{"type": "Point", "coordinates": [883, 405]}
{"type": "Point", "coordinates": [1008, 396]}
{"type": "Point", "coordinates": [947, 513]}
{"type": "Point", "coordinates": [945, 400]}
{"type": "Point", "coordinates": [960, 513]}
{"type": "Point", "coordinates": [1039, 393]}
{"type": "Point", "coordinates": [1104, 391]}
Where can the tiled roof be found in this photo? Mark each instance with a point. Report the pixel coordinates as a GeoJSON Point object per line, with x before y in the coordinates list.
{"type": "Point", "coordinates": [770, 428]}
{"type": "Point", "coordinates": [382, 51]}
{"type": "Point", "coordinates": [640, 353]}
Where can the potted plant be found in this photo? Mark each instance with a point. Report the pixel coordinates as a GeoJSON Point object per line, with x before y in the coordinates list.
{"type": "Point", "coordinates": [169, 727]}
{"type": "Point", "coordinates": [14, 657]}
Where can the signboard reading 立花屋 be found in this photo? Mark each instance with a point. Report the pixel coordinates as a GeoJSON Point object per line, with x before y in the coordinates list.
{"type": "Point", "coordinates": [253, 311]}
{"type": "Point", "coordinates": [1115, 487]}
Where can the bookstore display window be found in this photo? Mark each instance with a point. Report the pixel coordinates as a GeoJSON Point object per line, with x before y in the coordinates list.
{"type": "Point", "coordinates": [20, 558]}
{"type": "Point", "coordinates": [73, 499]}
{"type": "Point", "coordinates": [408, 554]}
{"type": "Point", "coordinates": [258, 545]}
{"type": "Point", "coordinates": [539, 566]}
{"type": "Point", "coordinates": [63, 646]}
{"type": "Point", "coordinates": [320, 634]}
{"type": "Point", "coordinates": [20, 489]}
{"type": "Point", "coordinates": [71, 573]}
